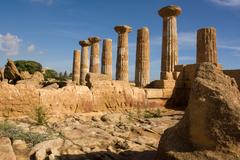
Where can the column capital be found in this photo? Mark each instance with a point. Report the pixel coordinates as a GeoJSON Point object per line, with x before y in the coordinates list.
{"type": "Point", "coordinates": [169, 11]}
{"type": "Point", "coordinates": [94, 40]}
{"type": "Point", "coordinates": [84, 43]}
{"type": "Point", "coordinates": [123, 29]}
{"type": "Point", "coordinates": [143, 29]}
{"type": "Point", "coordinates": [206, 29]}
{"type": "Point", "coordinates": [107, 39]}
{"type": "Point", "coordinates": [76, 50]}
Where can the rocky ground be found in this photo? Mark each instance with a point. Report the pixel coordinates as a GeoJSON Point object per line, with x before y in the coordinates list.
{"type": "Point", "coordinates": [89, 136]}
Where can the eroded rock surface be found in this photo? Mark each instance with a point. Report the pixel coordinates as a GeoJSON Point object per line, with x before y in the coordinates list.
{"type": "Point", "coordinates": [11, 72]}
{"type": "Point", "coordinates": [6, 150]}
{"type": "Point", "coordinates": [210, 127]}
{"type": "Point", "coordinates": [131, 135]}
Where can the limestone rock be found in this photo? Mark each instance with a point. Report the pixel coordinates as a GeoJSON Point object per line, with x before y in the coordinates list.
{"type": "Point", "coordinates": [35, 80]}
{"type": "Point", "coordinates": [6, 150]}
{"type": "Point", "coordinates": [37, 76]}
{"type": "Point", "coordinates": [52, 86]}
{"type": "Point", "coordinates": [210, 127]}
{"type": "Point", "coordinates": [40, 151]}
{"type": "Point", "coordinates": [20, 149]}
{"type": "Point", "coordinates": [1, 74]}
{"type": "Point", "coordinates": [26, 75]}
{"type": "Point", "coordinates": [114, 95]}
{"type": "Point", "coordinates": [94, 78]}
{"type": "Point", "coordinates": [11, 72]}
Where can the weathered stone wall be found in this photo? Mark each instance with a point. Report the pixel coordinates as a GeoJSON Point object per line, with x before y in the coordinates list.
{"type": "Point", "coordinates": [234, 74]}
{"type": "Point", "coordinates": [103, 94]}
{"type": "Point", "coordinates": [23, 99]}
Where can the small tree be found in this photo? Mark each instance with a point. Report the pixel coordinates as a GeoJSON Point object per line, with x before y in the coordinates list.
{"type": "Point", "coordinates": [65, 75]}
{"type": "Point", "coordinates": [60, 75]}
{"type": "Point", "coordinates": [50, 73]}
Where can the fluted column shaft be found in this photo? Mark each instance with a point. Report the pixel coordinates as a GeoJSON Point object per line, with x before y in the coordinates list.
{"type": "Point", "coordinates": [206, 45]}
{"type": "Point", "coordinates": [122, 53]}
{"type": "Point", "coordinates": [107, 57]}
{"type": "Point", "coordinates": [169, 40]}
{"type": "Point", "coordinates": [84, 61]}
{"type": "Point", "coordinates": [169, 44]}
{"type": "Point", "coordinates": [94, 57]}
{"type": "Point", "coordinates": [142, 71]}
{"type": "Point", "coordinates": [76, 67]}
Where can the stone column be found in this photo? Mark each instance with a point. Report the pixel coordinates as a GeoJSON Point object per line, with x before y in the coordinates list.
{"type": "Point", "coordinates": [84, 61]}
{"type": "Point", "coordinates": [122, 52]}
{"type": "Point", "coordinates": [76, 67]}
{"type": "Point", "coordinates": [94, 57]}
{"type": "Point", "coordinates": [169, 41]}
{"type": "Point", "coordinates": [206, 45]}
{"type": "Point", "coordinates": [142, 71]}
{"type": "Point", "coordinates": [107, 57]}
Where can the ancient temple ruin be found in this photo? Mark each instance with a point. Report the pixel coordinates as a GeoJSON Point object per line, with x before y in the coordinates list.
{"type": "Point", "coordinates": [175, 79]}
{"type": "Point", "coordinates": [95, 88]}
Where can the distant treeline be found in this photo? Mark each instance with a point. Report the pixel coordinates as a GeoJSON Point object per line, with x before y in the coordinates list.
{"type": "Point", "coordinates": [33, 66]}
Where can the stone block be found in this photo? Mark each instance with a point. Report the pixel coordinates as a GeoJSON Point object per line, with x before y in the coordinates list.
{"type": "Point", "coordinates": [154, 93]}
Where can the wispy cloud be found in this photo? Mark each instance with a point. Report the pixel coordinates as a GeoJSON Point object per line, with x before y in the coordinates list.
{"type": "Point", "coordinates": [10, 44]}
{"type": "Point", "coordinates": [229, 47]}
{"type": "Point", "coordinates": [47, 2]}
{"type": "Point", "coordinates": [31, 48]}
{"type": "Point", "coordinates": [231, 3]}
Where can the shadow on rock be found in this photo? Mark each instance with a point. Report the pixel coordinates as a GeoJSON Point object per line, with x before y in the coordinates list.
{"type": "Point", "coordinates": [127, 155]}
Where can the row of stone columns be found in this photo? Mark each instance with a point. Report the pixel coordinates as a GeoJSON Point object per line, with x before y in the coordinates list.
{"type": "Point", "coordinates": [142, 73]}
{"type": "Point", "coordinates": [206, 51]}
{"type": "Point", "coordinates": [81, 63]}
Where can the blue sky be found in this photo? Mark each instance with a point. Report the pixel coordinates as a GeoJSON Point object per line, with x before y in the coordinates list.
{"type": "Point", "coordinates": [49, 30]}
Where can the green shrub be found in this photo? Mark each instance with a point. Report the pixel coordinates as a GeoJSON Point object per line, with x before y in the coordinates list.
{"type": "Point", "coordinates": [152, 114]}
{"type": "Point", "coordinates": [15, 133]}
{"type": "Point", "coordinates": [40, 115]}
{"type": "Point", "coordinates": [30, 66]}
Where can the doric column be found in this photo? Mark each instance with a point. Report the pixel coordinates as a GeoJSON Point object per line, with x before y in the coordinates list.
{"type": "Point", "coordinates": [169, 40]}
{"type": "Point", "coordinates": [76, 67]}
{"type": "Point", "coordinates": [107, 57]}
{"type": "Point", "coordinates": [94, 57]}
{"type": "Point", "coordinates": [206, 45]}
{"type": "Point", "coordinates": [142, 70]}
{"type": "Point", "coordinates": [122, 52]}
{"type": "Point", "coordinates": [84, 61]}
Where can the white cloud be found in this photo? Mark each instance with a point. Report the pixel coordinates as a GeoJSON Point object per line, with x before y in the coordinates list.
{"type": "Point", "coordinates": [10, 44]}
{"type": "Point", "coordinates": [31, 48]}
{"type": "Point", "coordinates": [231, 3]}
{"type": "Point", "coordinates": [47, 2]}
{"type": "Point", "coordinates": [223, 46]}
